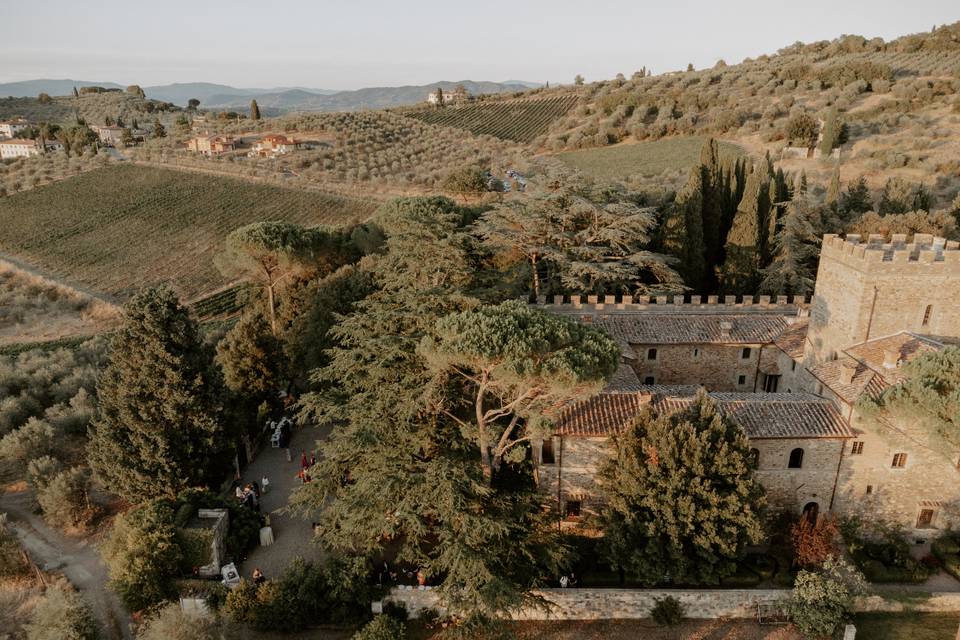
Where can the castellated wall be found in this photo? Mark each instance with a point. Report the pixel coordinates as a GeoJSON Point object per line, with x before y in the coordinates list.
{"type": "Point", "coordinates": [871, 486]}
{"type": "Point", "coordinates": [872, 289]}
{"type": "Point", "coordinates": [715, 366]}
{"type": "Point", "coordinates": [787, 489]}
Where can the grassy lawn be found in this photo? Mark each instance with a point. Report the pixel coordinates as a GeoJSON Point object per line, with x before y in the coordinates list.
{"type": "Point", "coordinates": [647, 158]}
{"type": "Point", "coordinates": [118, 229]}
{"type": "Point", "coordinates": [907, 626]}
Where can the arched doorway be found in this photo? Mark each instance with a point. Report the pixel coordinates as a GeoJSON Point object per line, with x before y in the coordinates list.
{"type": "Point", "coordinates": [811, 511]}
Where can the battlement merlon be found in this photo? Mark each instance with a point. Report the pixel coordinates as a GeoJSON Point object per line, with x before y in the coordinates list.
{"type": "Point", "coordinates": [779, 305]}
{"type": "Point", "coordinates": [902, 253]}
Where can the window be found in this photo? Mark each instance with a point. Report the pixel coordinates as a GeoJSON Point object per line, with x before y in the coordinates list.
{"type": "Point", "coordinates": [696, 352]}
{"type": "Point", "coordinates": [811, 511]}
{"type": "Point", "coordinates": [546, 452]}
{"type": "Point", "coordinates": [796, 459]}
{"type": "Point", "coordinates": [925, 519]}
{"type": "Point", "coordinates": [741, 380]}
{"type": "Point", "coordinates": [857, 448]}
{"type": "Point", "coordinates": [651, 354]}
{"type": "Point", "coordinates": [926, 315]}
{"type": "Point", "coordinates": [755, 457]}
{"type": "Point", "coordinates": [572, 510]}
{"type": "Point", "coordinates": [649, 380]}
{"type": "Point", "coordinates": [770, 383]}
{"type": "Point", "coordinates": [869, 489]}
{"type": "Point", "coordinates": [745, 354]}
{"type": "Point", "coordinates": [793, 365]}
{"type": "Point", "coordinates": [899, 460]}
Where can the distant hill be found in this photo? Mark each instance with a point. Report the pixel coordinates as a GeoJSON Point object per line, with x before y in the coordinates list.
{"type": "Point", "coordinates": [209, 93]}
{"type": "Point", "coordinates": [33, 88]}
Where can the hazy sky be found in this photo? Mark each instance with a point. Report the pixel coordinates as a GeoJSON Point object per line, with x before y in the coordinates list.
{"type": "Point", "coordinates": [356, 43]}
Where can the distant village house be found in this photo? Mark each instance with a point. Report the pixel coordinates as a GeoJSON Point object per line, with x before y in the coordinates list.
{"type": "Point", "coordinates": [12, 128]}
{"type": "Point", "coordinates": [211, 145]}
{"type": "Point", "coordinates": [22, 148]}
{"type": "Point", "coordinates": [273, 145]}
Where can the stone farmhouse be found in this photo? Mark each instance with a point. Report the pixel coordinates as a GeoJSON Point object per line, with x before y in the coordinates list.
{"type": "Point", "coordinates": [211, 145]}
{"type": "Point", "coordinates": [273, 145]}
{"type": "Point", "coordinates": [789, 372]}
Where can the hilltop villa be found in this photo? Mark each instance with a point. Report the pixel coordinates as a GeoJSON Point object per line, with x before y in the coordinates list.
{"type": "Point", "coordinates": [789, 372]}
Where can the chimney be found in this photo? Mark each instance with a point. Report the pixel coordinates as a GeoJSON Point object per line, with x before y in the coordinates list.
{"type": "Point", "coordinates": [891, 358]}
{"type": "Point", "coordinates": [848, 369]}
{"type": "Point", "coordinates": [725, 327]}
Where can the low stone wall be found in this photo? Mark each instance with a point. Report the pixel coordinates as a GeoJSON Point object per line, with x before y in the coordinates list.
{"type": "Point", "coordinates": [601, 604]}
{"type": "Point", "coordinates": [607, 604]}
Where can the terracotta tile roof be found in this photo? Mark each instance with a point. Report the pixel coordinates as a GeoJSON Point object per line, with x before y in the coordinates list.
{"type": "Point", "coordinates": [760, 415]}
{"type": "Point", "coordinates": [19, 141]}
{"type": "Point", "coordinates": [625, 379]}
{"type": "Point", "coordinates": [870, 376]}
{"type": "Point", "coordinates": [793, 339]}
{"type": "Point", "coordinates": [692, 328]}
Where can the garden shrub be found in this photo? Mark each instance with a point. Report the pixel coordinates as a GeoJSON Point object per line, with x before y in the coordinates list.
{"type": "Point", "coordinates": [65, 499]}
{"type": "Point", "coordinates": [667, 611]}
{"type": "Point", "coordinates": [40, 471]}
{"type": "Point", "coordinates": [822, 599]}
{"type": "Point", "coordinates": [32, 440]}
{"type": "Point", "coordinates": [171, 623]}
{"type": "Point", "coordinates": [12, 560]}
{"type": "Point", "coordinates": [62, 614]}
{"type": "Point", "coordinates": [382, 628]}
{"type": "Point", "coordinates": [396, 610]}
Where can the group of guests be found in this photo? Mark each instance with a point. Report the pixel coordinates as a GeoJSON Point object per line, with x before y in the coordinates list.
{"type": "Point", "coordinates": [249, 496]}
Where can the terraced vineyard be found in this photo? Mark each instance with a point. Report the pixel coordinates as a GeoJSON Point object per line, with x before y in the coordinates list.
{"type": "Point", "coordinates": [517, 120]}
{"type": "Point", "coordinates": [118, 229]}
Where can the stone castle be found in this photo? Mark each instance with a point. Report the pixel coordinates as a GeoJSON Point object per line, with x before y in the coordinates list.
{"type": "Point", "coordinates": [789, 372]}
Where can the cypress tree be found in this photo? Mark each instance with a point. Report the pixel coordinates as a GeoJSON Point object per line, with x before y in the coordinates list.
{"type": "Point", "coordinates": [712, 190]}
{"type": "Point", "coordinates": [159, 428]}
{"type": "Point", "coordinates": [746, 246]}
{"type": "Point", "coordinates": [683, 235]}
{"type": "Point", "coordinates": [254, 110]}
{"type": "Point", "coordinates": [795, 251]}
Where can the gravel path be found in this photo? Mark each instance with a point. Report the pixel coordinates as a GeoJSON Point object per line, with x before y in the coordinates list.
{"type": "Point", "coordinates": [292, 535]}
{"type": "Point", "coordinates": [78, 560]}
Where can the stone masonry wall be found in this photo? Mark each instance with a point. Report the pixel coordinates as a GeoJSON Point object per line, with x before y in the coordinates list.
{"type": "Point", "coordinates": [606, 604]}
{"type": "Point", "coordinates": [717, 367]}
{"type": "Point", "coordinates": [788, 489]}
{"type": "Point", "coordinates": [871, 486]}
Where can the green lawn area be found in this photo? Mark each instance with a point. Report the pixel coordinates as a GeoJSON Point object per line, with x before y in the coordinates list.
{"type": "Point", "coordinates": [906, 626]}
{"type": "Point", "coordinates": [118, 229]}
{"type": "Point", "coordinates": [647, 158]}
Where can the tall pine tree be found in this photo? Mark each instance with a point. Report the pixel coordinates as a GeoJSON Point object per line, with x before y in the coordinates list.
{"type": "Point", "coordinates": [795, 249]}
{"type": "Point", "coordinates": [159, 428]}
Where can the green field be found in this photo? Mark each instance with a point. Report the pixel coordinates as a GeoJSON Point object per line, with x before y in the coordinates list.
{"type": "Point", "coordinates": [118, 229]}
{"type": "Point", "coordinates": [907, 626]}
{"type": "Point", "coordinates": [647, 158]}
{"type": "Point", "coordinates": [517, 120]}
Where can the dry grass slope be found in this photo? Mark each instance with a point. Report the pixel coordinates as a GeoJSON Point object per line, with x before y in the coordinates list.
{"type": "Point", "coordinates": [119, 229]}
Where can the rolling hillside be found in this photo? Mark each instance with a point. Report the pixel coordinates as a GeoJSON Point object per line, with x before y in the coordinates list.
{"type": "Point", "coordinates": [118, 229]}
{"type": "Point", "coordinates": [516, 120]}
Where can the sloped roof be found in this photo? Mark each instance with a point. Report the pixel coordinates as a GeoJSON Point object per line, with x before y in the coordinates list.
{"type": "Point", "coordinates": [871, 377]}
{"type": "Point", "coordinates": [692, 328]}
{"type": "Point", "coordinates": [760, 415]}
{"type": "Point", "coordinates": [793, 339]}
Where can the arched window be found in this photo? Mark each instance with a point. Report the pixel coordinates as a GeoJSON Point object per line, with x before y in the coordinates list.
{"type": "Point", "coordinates": [796, 459]}
{"type": "Point", "coordinates": [755, 457]}
{"type": "Point", "coordinates": [926, 315]}
{"type": "Point", "coordinates": [811, 511]}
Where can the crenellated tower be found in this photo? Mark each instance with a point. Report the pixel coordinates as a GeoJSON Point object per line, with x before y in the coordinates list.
{"type": "Point", "coordinates": [866, 290]}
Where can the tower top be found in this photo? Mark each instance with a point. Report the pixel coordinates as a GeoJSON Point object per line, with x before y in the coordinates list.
{"type": "Point", "coordinates": [901, 253]}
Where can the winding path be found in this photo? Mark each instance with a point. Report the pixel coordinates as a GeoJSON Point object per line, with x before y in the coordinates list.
{"type": "Point", "coordinates": [78, 560]}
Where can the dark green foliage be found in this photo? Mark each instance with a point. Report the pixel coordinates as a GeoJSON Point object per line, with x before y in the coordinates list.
{"type": "Point", "coordinates": [65, 498]}
{"type": "Point", "coordinates": [382, 628]}
{"type": "Point", "coordinates": [684, 232]}
{"type": "Point", "coordinates": [681, 500]}
{"type": "Point", "coordinates": [823, 599]}
{"type": "Point", "coordinates": [252, 359]}
{"type": "Point", "coordinates": [305, 595]}
{"type": "Point", "coordinates": [900, 196]}
{"type": "Point", "coordinates": [13, 563]}
{"type": "Point", "coordinates": [244, 531]}
{"type": "Point", "coordinates": [143, 555]}
{"type": "Point", "coordinates": [667, 611]}
{"type": "Point", "coordinates": [856, 199]}
{"type": "Point", "coordinates": [834, 132]}
{"type": "Point", "coordinates": [747, 242]}
{"type": "Point", "coordinates": [159, 429]}
{"type": "Point", "coordinates": [159, 131]}
{"type": "Point", "coordinates": [576, 236]}
{"type": "Point", "coordinates": [254, 110]}
{"type": "Point", "coordinates": [794, 251]}
{"type": "Point", "coordinates": [62, 614]}
{"type": "Point", "coordinates": [928, 397]}
{"type": "Point", "coordinates": [415, 482]}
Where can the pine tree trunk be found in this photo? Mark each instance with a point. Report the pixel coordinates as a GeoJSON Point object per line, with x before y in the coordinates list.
{"type": "Point", "coordinates": [482, 434]}
{"type": "Point", "coordinates": [271, 310]}
{"type": "Point", "coordinates": [536, 277]}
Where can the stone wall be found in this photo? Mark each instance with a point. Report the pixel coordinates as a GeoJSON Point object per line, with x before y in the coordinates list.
{"type": "Point", "coordinates": [715, 366]}
{"type": "Point", "coordinates": [871, 486]}
{"type": "Point", "coordinates": [579, 458]}
{"type": "Point", "coordinates": [608, 604]}
{"type": "Point", "coordinates": [872, 289]}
